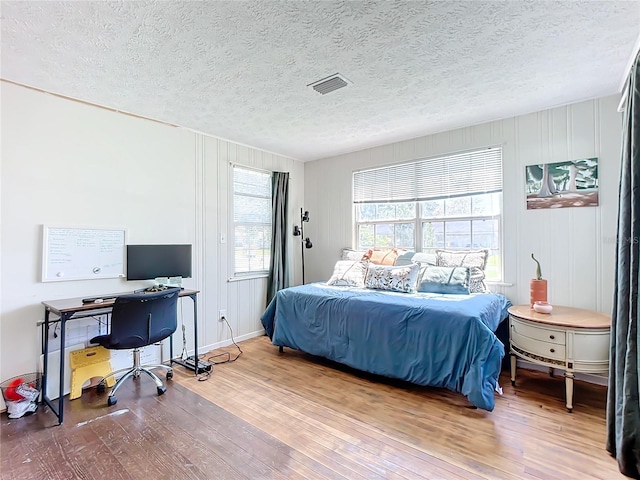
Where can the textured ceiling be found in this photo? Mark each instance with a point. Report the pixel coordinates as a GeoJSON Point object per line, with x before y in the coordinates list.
{"type": "Point", "coordinates": [240, 70]}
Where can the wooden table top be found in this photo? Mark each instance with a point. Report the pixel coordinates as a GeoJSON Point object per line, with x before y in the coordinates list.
{"type": "Point", "coordinates": [563, 317]}
{"type": "Point", "coordinates": [76, 305]}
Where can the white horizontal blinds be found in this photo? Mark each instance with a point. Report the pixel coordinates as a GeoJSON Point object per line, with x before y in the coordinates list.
{"type": "Point", "coordinates": [448, 176]}
{"type": "Point", "coordinates": [251, 220]}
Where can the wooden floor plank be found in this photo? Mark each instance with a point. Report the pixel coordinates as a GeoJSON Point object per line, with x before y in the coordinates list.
{"type": "Point", "coordinates": [410, 423]}
{"type": "Point", "coordinates": [294, 416]}
{"type": "Point", "coordinates": [528, 427]}
{"type": "Point", "coordinates": [286, 459]}
{"type": "Point", "coordinates": [340, 430]}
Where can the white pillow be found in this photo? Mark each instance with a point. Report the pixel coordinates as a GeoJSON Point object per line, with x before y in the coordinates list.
{"type": "Point", "coordinates": [474, 260]}
{"type": "Point", "coordinates": [348, 273]}
{"type": "Point", "coordinates": [397, 279]}
{"type": "Point", "coordinates": [349, 254]}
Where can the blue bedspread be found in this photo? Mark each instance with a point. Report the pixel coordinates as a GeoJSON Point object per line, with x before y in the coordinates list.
{"type": "Point", "coordinates": [427, 339]}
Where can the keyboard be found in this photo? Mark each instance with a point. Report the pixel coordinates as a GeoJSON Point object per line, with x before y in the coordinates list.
{"type": "Point", "coordinates": [155, 288]}
{"type": "Point", "coordinates": [97, 299]}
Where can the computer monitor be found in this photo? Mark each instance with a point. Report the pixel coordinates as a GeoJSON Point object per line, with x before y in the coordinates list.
{"type": "Point", "coordinates": [148, 262]}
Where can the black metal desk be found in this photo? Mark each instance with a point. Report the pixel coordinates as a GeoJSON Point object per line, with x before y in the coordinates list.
{"type": "Point", "coordinates": [73, 309]}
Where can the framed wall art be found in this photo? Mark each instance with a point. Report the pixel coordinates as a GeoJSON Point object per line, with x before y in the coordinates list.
{"type": "Point", "coordinates": [573, 183]}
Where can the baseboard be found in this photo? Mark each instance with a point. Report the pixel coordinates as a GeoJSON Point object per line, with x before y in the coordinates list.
{"type": "Point", "coordinates": [585, 377]}
{"type": "Point", "coordinates": [226, 343]}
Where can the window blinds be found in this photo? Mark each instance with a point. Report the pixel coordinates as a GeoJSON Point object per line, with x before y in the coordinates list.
{"type": "Point", "coordinates": [251, 220]}
{"type": "Point", "coordinates": [447, 176]}
{"type": "Point", "coordinates": [251, 196]}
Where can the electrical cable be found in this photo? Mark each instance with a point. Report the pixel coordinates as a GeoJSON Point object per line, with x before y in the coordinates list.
{"type": "Point", "coordinates": [205, 375]}
{"type": "Point", "coordinates": [227, 354]}
{"type": "Point", "coordinates": [184, 355]}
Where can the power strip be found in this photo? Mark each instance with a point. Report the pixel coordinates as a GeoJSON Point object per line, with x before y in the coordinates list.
{"type": "Point", "coordinates": [191, 365]}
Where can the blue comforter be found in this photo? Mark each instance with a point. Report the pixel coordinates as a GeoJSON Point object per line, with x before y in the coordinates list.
{"type": "Point", "coordinates": [427, 339]}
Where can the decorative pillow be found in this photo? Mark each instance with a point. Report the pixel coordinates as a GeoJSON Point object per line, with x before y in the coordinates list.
{"type": "Point", "coordinates": [421, 258]}
{"type": "Point", "coordinates": [445, 280]}
{"type": "Point", "coordinates": [382, 257]}
{"type": "Point", "coordinates": [350, 254]}
{"type": "Point", "coordinates": [425, 258]}
{"type": "Point", "coordinates": [475, 260]}
{"type": "Point", "coordinates": [398, 279]}
{"type": "Point", "coordinates": [404, 258]}
{"type": "Point", "coordinates": [348, 273]}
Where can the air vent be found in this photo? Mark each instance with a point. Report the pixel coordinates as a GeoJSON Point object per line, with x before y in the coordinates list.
{"type": "Point", "coordinates": [329, 84]}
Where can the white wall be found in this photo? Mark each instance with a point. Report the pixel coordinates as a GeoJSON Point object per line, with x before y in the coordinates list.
{"type": "Point", "coordinates": [576, 246]}
{"type": "Point", "coordinates": [68, 163]}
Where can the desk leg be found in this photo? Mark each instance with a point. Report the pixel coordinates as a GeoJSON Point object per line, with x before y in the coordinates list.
{"type": "Point", "coordinates": [45, 374]}
{"type": "Point", "coordinates": [569, 386]}
{"type": "Point", "coordinates": [63, 329]}
{"type": "Point", "coordinates": [195, 340]}
{"type": "Point", "coordinates": [195, 332]}
{"type": "Point", "coordinates": [45, 351]}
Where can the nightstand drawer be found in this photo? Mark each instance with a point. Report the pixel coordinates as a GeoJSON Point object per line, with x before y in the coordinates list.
{"type": "Point", "coordinates": [538, 347]}
{"type": "Point", "coordinates": [537, 333]}
{"type": "Point", "coordinates": [591, 347]}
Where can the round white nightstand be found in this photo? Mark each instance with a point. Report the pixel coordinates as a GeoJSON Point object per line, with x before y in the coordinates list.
{"type": "Point", "coordinates": [570, 339]}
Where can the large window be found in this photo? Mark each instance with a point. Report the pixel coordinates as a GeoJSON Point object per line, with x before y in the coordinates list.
{"type": "Point", "coordinates": [452, 202]}
{"type": "Point", "coordinates": [251, 221]}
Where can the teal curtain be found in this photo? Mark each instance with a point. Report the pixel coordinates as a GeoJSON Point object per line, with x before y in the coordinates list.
{"type": "Point", "coordinates": [279, 268]}
{"type": "Point", "coordinates": [623, 409]}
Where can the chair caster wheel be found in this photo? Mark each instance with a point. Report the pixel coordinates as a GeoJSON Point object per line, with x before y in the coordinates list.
{"type": "Point", "coordinates": [161, 390]}
{"type": "Point", "coordinates": [101, 387]}
{"type": "Point", "coordinates": [111, 401]}
{"type": "Point", "coordinates": [169, 375]}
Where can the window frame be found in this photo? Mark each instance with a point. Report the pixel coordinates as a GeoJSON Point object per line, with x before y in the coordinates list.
{"type": "Point", "coordinates": [262, 272]}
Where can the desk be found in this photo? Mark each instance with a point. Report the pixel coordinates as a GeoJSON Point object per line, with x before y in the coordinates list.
{"type": "Point", "coordinates": [73, 309]}
{"type": "Point", "coordinates": [572, 339]}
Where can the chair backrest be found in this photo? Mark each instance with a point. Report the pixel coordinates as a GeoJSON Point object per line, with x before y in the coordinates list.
{"type": "Point", "coordinates": [141, 319]}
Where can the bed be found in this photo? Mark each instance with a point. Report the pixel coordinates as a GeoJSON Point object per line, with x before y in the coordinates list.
{"type": "Point", "coordinates": [440, 340]}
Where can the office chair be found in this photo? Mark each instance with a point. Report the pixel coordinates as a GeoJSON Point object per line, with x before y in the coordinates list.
{"type": "Point", "coordinates": [138, 320]}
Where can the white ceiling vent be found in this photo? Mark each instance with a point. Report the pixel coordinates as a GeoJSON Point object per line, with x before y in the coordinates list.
{"type": "Point", "coordinates": [330, 84]}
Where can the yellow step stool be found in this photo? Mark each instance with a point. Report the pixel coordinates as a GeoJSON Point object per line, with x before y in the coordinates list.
{"type": "Point", "coordinates": [86, 364]}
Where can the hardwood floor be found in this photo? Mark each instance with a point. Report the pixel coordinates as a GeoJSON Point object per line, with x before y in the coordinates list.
{"type": "Point", "coordinates": [290, 415]}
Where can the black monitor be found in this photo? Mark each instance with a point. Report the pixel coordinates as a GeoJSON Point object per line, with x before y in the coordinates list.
{"type": "Point", "coordinates": [146, 262]}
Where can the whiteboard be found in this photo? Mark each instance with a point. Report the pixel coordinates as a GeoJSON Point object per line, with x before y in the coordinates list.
{"type": "Point", "coordinates": [78, 253]}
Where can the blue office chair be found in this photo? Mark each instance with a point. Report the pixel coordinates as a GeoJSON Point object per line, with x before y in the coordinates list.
{"type": "Point", "coordinates": [138, 320]}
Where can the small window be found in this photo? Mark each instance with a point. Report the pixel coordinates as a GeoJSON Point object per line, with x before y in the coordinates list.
{"type": "Point", "coordinates": [251, 221]}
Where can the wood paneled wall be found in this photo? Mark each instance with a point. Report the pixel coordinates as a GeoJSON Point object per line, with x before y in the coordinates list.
{"type": "Point", "coordinates": [70, 163]}
{"type": "Point", "coordinates": [576, 246]}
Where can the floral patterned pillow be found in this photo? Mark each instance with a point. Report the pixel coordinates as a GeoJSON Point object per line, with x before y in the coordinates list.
{"type": "Point", "coordinates": [397, 279]}
{"type": "Point", "coordinates": [474, 260]}
{"type": "Point", "coordinates": [348, 273]}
